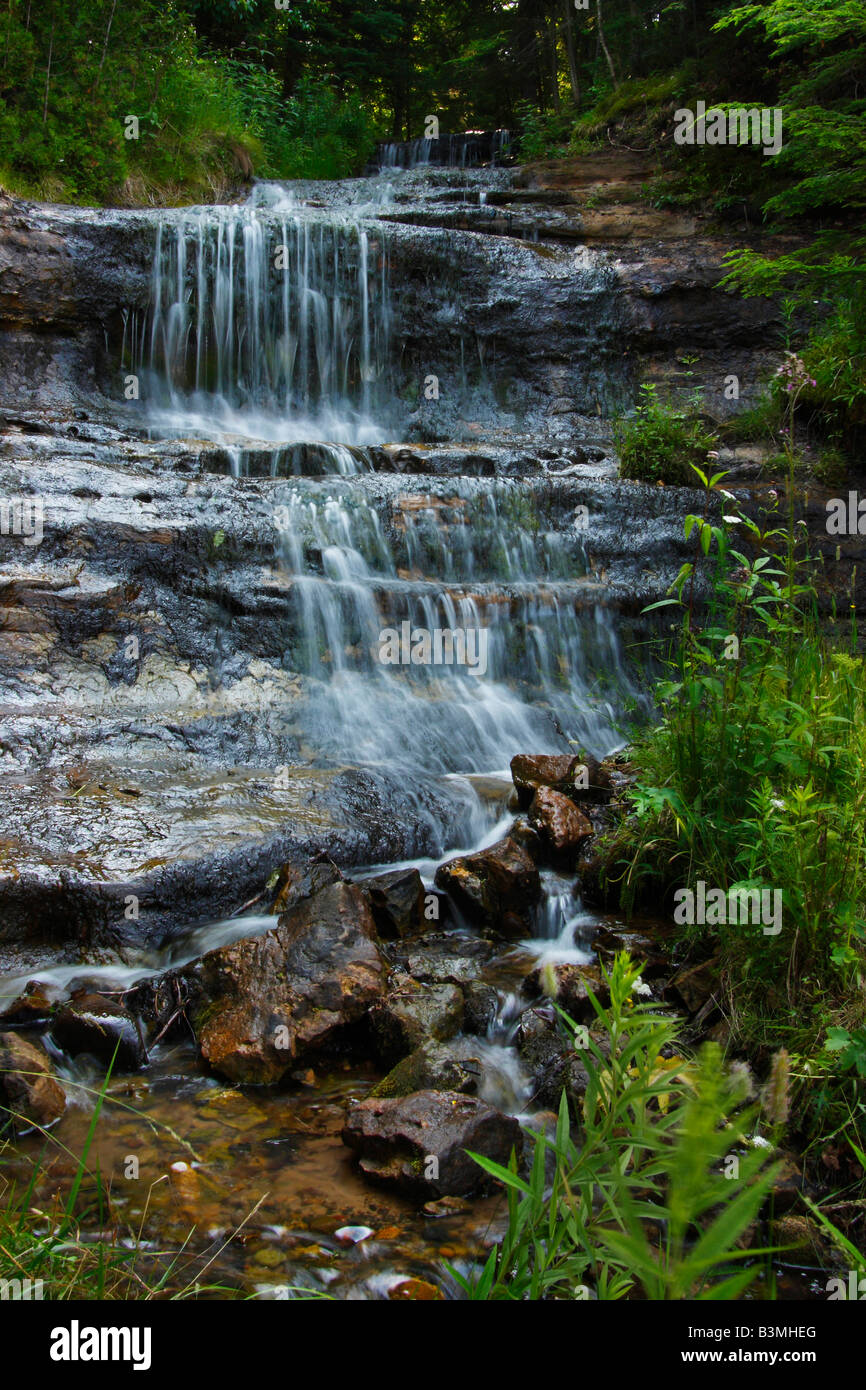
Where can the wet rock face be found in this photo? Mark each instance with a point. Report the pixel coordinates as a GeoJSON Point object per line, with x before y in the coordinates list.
{"type": "Point", "coordinates": [299, 881]}
{"type": "Point", "coordinates": [395, 1141]}
{"type": "Point", "coordinates": [268, 1002]}
{"type": "Point", "coordinates": [553, 1062]}
{"type": "Point", "coordinates": [28, 1087]}
{"type": "Point", "coordinates": [433, 1067]}
{"type": "Point", "coordinates": [562, 827]}
{"type": "Point", "coordinates": [411, 1014]}
{"type": "Point", "coordinates": [98, 1026]}
{"type": "Point", "coordinates": [580, 779]}
{"type": "Point", "coordinates": [65, 277]}
{"type": "Point", "coordinates": [498, 887]}
{"type": "Point", "coordinates": [397, 900]}
{"type": "Point", "coordinates": [33, 1007]}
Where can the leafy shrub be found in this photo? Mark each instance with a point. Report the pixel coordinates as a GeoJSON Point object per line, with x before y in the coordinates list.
{"type": "Point", "coordinates": [543, 134]}
{"type": "Point", "coordinates": [753, 779]}
{"type": "Point", "coordinates": [661, 444]}
{"type": "Point", "coordinates": [638, 1196]}
{"type": "Point", "coordinates": [321, 137]}
{"type": "Point", "coordinates": [758, 424]}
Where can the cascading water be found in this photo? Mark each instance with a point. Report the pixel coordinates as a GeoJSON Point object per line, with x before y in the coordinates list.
{"type": "Point", "coordinates": [272, 322]}
{"type": "Point", "coordinates": [270, 328]}
{"type": "Point", "coordinates": [533, 654]}
{"type": "Point", "coordinates": [465, 151]}
{"type": "Point", "coordinates": [268, 324]}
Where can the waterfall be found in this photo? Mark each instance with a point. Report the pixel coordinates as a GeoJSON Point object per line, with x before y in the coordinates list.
{"type": "Point", "coordinates": [466, 151]}
{"type": "Point", "coordinates": [268, 323]}
{"type": "Point", "coordinates": [552, 672]}
{"type": "Point", "coordinates": [270, 330]}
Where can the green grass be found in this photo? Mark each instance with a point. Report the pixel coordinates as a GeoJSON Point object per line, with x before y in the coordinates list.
{"type": "Point", "coordinates": [755, 778]}
{"type": "Point", "coordinates": [70, 1243]}
{"type": "Point", "coordinates": [657, 1192]}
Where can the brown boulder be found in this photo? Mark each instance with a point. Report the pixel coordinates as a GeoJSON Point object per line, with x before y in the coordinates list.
{"type": "Point", "coordinates": [418, 1143]}
{"type": "Point", "coordinates": [297, 882]}
{"type": "Point", "coordinates": [498, 886]}
{"type": "Point", "coordinates": [580, 779]}
{"type": "Point", "coordinates": [268, 1001]}
{"type": "Point", "coordinates": [562, 827]}
{"type": "Point", "coordinates": [397, 900]}
{"type": "Point", "coordinates": [569, 986]}
{"type": "Point", "coordinates": [34, 1006]}
{"type": "Point", "coordinates": [412, 1014]}
{"type": "Point", "coordinates": [434, 1066]}
{"type": "Point", "coordinates": [28, 1089]}
{"type": "Point", "coordinates": [554, 1062]}
{"type": "Point", "coordinates": [697, 983]}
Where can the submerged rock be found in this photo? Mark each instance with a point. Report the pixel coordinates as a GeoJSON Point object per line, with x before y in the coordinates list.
{"type": "Point", "coordinates": [398, 901]}
{"type": "Point", "coordinates": [415, 1291]}
{"type": "Point", "coordinates": [562, 827]}
{"type": "Point", "coordinates": [418, 1144]}
{"type": "Point", "coordinates": [498, 886]}
{"type": "Point", "coordinates": [412, 1014]}
{"type": "Point", "coordinates": [268, 1001]}
{"type": "Point", "coordinates": [28, 1087]}
{"type": "Point", "coordinates": [98, 1026]}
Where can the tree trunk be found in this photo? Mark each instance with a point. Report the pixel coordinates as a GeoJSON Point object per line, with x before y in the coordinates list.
{"type": "Point", "coordinates": [604, 48]}
{"type": "Point", "coordinates": [48, 76]}
{"type": "Point", "coordinates": [571, 52]}
{"type": "Point", "coordinates": [526, 44]}
{"type": "Point", "coordinates": [104, 47]}
{"type": "Point", "coordinates": [292, 67]}
{"type": "Point", "coordinates": [550, 36]}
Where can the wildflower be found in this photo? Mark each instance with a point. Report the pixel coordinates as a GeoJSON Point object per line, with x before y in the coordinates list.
{"type": "Point", "coordinates": [775, 1097]}
{"type": "Point", "coordinates": [741, 1079]}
